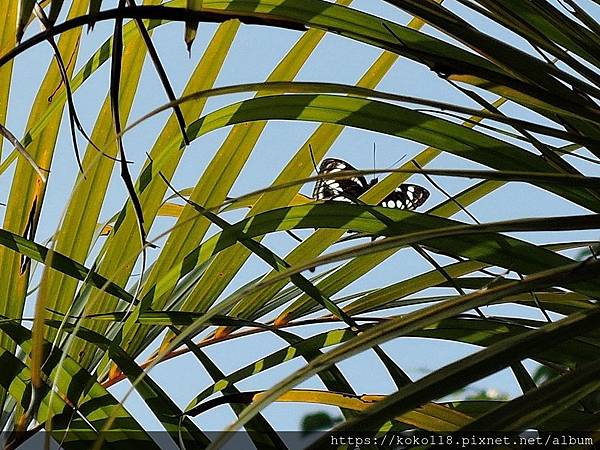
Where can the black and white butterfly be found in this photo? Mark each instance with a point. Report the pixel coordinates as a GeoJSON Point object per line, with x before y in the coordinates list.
{"type": "Point", "coordinates": [405, 196]}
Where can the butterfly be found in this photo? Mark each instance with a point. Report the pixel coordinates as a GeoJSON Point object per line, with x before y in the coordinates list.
{"type": "Point", "coordinates": [405, 196]}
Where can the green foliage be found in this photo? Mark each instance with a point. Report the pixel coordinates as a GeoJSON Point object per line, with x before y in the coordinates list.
{"type": "Point", "coordinates": [531, 120]}
{"type": "Point", "coordinates": [318, 421]}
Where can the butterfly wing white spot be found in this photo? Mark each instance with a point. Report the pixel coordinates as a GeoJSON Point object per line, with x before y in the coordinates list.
{"type": "Point", "coordinates": [339, 189]}
{"type": "Point", "coordinates": [406, 196]}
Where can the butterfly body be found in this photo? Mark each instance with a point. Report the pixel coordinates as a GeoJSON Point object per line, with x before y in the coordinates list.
{"type": "Point", "coordinates": [405, 196]}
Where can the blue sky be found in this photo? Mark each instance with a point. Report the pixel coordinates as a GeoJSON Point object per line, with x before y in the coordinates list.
{"type": "Point", "coordinates": [254, 54]}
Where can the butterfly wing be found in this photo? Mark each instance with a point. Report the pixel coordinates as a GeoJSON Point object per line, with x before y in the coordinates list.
{"type": "Point", "coordinates": [341, 189]}
{"type": "Point", "coordinates": [406, 196]}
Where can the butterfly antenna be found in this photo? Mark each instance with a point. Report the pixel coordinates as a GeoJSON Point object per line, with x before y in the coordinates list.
{"type": "Point", "coordinates": [312, 157]}
{"type": "Point", "coordinates": [394, 165]}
